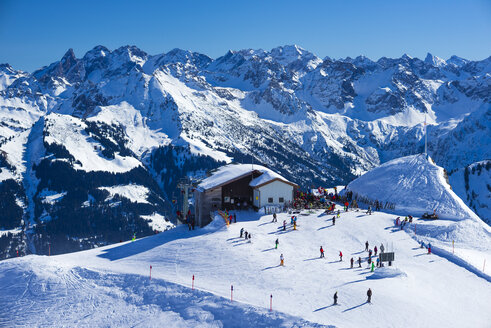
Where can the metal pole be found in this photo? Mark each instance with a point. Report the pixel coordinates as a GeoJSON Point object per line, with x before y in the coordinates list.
{"type": "Point", "coordinates": [426, 139]}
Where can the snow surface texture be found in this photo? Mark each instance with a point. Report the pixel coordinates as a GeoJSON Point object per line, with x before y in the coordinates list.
{"type": "Point", "coordinates": [110, 286]}
{"type": "Point", "coordinates": [135, 193]}
{"type": "Point", "coordinates": [69, 131]}
{"type": "Point", "coordinates": [415, 185]}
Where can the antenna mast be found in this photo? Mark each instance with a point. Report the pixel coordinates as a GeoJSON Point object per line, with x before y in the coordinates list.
{"type": "Point", "coordinates": [426, 139]}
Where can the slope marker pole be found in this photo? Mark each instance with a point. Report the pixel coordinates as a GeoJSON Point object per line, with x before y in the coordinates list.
{"type": "Point", "coordinates": [231, 293]}
{"type": "Point", "coordinates": [270, 302]}
{"type": "Point", "coordinates": [150, 272]}
{"type": "Point", "coordinates": [192, 285]}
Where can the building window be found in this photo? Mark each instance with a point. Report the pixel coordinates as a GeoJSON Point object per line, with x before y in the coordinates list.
{"type": "Point", "coordinates": [270, 199]}
{"type": "Point", "coordinates": [282, 200]}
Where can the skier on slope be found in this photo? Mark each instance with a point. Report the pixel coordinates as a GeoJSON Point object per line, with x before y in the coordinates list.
{"type": "Point", "coordinates": [276, 243]}
{"type": "Point", "coordinates": [322, 252]}
{"type": "Point", "coordinates": [336, 298]}
{"type": "Point", "coordinates": [352, 261]}
{"type": "Point", "coordinates": [382, 249]}
{"type": "Point", "coordinates": [366, 246]}
{"type": "Point", "coordinates": [339, 213]}
{"type": "Point", "coordinates": [369, 253]}
{"type": "Point", "coordinates": [375, 250]}
{"type": "Point", "coordinates": [429, 248]}
{"type": "Point", "coordinates": [359, 262]}
{"type": "Point", "coordinates": [373, 266]}
{"type": "Point", "coordinates": [274, 217]}
{"type": "Point", "coordinates": [340, 256]}
{"type": "Point", "coordinates": [282, 260]}
{"type": "Point", "coordinates": [369, 211]}
{"type": "Point", "coordinates": [241, 232]}
{"type": "Point", "coordinates": [369, 294]}
{"type": "Point", "coordinates": [284, 225]}
{"type": "Point", "coordinates": [333, 220]}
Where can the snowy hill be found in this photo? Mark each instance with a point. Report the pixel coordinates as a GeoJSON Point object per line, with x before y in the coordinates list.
{"type": "Point", "coordinates": [110, 286]}
{"type": "Point", "coordinates": [415, 185]}
{"type": "Point", "coordinates": [131, 118]}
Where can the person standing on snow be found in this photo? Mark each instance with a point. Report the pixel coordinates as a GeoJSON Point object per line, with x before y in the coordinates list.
{"type": "Point", "coordinates": [274, 217]}
{"type": "Point", "coordinates": [429, 248]}
{"type": "Point", "coordinates": [333, 220]}
{"type": "Point", "coordinates": [382, 249]}
{"type": "Point", "coordinates": [359, 262]}
{"type": "Point", "coordinates": [339, 213]}
{"type": "Point", "coordinates": [340, 256]}
{"type": "Point", "coordinates": [369, 294]}
{"type": "Point", "coordinates": [245, 235]}
{"type": "Point", "coordinates": [366, 246]}
{"type": "Point", "coordinates": [375, 250]}
{"type": "Point", "coordinates": [282, 260]}
{"type": "Point", "coordinates": [369, 253]}
{"type": "Point", "coordinates": [373, 267]}
{"type": "Point", "coordinates": [322, 252]}
{"type": "Point", "coordinates": [276, 244]}
{"type": "Point", "coordinates": [352, 261]}
{"type": "Point", "coordinates": [336, 298]}
{"type": "Point", "coordinates": [284, 225]}
{"type": "Point", "coordinates": [235, 218]}
{"type": "Point", "coordinates": [241, 232]}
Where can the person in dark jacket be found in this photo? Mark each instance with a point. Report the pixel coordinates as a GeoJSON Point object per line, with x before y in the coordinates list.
{"type": "Point", "coordinates": [335, 298]}
{"type": "Point", "coordinates": [276, 244]}
{"type": "Point", "coordinates": [352, 261]}
{"type": "Point", "coordinates": [333, 220]}
{"type": "Point", "coordinates": [359, 262]}
{"type": "Point", "coordinates": [369, 294]}
{"type": "Point", "coordinates": [366, 246]}
{"type": "Point", "coordinates": [241, 232]}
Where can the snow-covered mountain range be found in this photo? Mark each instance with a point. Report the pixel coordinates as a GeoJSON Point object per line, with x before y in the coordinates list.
{"type": "Point", "coordinates": [75, 132]}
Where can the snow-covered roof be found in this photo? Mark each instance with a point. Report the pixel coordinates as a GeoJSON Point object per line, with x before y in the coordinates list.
{"type": "Point", "coordinates": [232, 172]}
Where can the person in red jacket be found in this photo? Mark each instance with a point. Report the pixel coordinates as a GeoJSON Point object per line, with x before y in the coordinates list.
{"type": "Point", "coordinates": [340, 256]}
{"type": "Point", "coordinates": [322, 252]}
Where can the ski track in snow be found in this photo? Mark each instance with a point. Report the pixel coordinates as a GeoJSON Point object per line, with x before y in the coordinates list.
{"type": "Point", "coordinates": [109, 286]}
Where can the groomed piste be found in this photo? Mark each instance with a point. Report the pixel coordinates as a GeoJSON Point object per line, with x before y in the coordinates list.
{"type": "Point", "coordinates": [111, 286]}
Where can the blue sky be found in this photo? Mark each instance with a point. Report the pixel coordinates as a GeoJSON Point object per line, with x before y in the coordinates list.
{"type": "Point", "coordinates": [36, 33]}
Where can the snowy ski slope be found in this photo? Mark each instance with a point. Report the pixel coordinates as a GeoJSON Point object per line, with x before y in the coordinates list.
{"type": "Point", "coordinates": [110, 286]}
